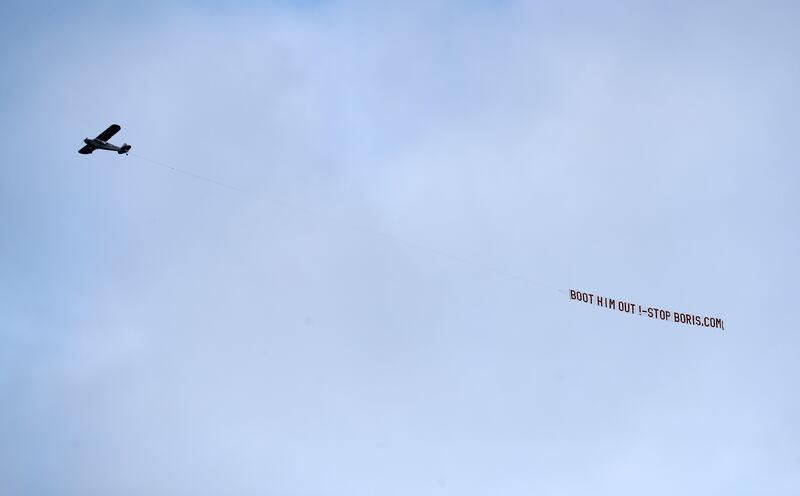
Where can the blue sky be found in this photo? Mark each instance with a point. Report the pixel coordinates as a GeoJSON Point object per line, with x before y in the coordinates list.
{"type": "Point", "coordinates": [378, 312]}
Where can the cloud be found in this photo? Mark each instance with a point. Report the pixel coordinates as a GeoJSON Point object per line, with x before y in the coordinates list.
{"type": "Point", "coordinates": [376, 312]}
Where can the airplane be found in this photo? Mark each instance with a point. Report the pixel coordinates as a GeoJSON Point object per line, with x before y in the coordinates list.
{"type": "Point", "coordinates": [101, 142]}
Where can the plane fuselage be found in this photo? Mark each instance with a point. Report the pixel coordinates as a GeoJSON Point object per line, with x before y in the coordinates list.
{"type": "Point", "coordinates": [101, 144]}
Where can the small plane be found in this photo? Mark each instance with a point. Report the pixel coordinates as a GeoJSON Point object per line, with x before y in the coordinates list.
{"type": "Point", "coordinates": [101, 142]}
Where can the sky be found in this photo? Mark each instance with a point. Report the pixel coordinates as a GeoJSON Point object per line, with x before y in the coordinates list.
{"type": "Point", "coordinates": [380, 302]}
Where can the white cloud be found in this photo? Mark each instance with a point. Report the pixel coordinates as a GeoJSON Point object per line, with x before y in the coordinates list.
{"type": "Point", "coordinates": [341, 328]}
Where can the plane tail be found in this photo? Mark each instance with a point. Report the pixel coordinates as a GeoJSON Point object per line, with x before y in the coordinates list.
{"type": "Point", "coordinates": [125, 148]}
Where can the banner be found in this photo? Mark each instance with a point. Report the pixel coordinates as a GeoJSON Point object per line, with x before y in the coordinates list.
{"type": "Point", "coordinates": [630, 308]}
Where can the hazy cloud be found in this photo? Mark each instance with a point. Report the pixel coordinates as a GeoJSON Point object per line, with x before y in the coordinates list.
{"type": "Point", "coordinates": [376, 314]}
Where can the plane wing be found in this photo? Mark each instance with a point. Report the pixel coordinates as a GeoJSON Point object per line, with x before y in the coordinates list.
{"type": "Point", "coordinates": [108, 133]}
{"type": "Point", "coordinates": [86, 149]}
